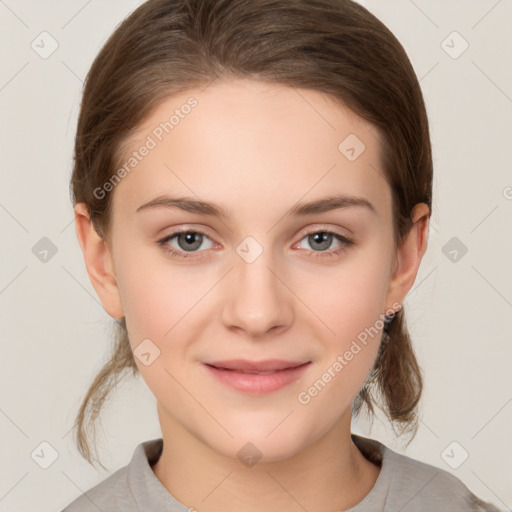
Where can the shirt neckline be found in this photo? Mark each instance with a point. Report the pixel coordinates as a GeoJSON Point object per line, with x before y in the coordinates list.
{"type": "Point", "coordinates": [151, 495]}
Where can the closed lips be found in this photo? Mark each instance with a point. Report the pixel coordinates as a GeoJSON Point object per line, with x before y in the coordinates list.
{"type": "Point", "coordinates": [267, 367]}
{"type": "Point", "coordinates": [257, 377]}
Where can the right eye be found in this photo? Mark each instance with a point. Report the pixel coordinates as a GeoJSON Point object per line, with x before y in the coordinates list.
{"type": "Point", "coordinates": [188, 241]}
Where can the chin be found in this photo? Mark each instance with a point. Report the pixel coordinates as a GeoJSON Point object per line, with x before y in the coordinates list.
{"type": "Point", "coordinates": [260, 444]}
{"type": "Point", "coordinates": [260, 450]}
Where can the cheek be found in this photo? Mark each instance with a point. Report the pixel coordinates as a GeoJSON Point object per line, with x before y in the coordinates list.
{"type": "Point", "coordinates": [155, 295]}
{"type": "Point", "coordinates": [350, 346]}
{"type": "Point", "coordinates": [350, 297]}
{"type": "Point", "coordinates": [156, 301]}
{"type": "Point", "coordinates": [348, 304]}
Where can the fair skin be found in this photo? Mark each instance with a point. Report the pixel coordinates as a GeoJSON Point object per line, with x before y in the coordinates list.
{"type": "Point", "coordinates": [256, 150]}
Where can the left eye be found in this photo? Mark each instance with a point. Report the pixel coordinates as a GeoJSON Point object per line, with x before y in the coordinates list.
{"type": "Point", "coordinates": [323, 239]}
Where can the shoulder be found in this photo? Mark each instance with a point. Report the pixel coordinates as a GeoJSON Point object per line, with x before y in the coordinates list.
{"type": "Point", "coordinates": [433, 486]}
{"type": "Point", "coordinates": [111, 494]}
{"type": "Point", "coordinates": [129, 489]}
{"type": "Point", "coordinates": [413, 485]}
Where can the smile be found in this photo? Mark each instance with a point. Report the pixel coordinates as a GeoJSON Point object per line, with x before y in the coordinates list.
{"type": "Point", "coordinates": [256, 378]}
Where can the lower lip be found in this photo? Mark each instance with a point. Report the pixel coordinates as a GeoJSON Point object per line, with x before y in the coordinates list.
{"type": "Point", "coordinates": [257, 384]}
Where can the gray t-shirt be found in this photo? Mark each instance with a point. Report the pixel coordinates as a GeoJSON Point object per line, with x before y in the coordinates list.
{"type": "Point", "coordinates": [404, 484]}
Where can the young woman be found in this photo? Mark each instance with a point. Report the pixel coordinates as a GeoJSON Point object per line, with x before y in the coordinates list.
{"type": "Point", "coordinates": [252, 189]}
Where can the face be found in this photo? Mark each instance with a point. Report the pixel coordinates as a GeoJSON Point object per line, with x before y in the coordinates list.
{"type": "Point", "coordinates": [271, 279]}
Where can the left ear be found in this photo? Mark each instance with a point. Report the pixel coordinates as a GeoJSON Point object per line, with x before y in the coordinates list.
{"type": "Point", "coordinates": [409, 255]}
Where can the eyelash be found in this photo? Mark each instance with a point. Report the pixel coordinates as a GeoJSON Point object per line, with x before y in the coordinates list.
{"type": "Point", "coordinates": [346, 243]}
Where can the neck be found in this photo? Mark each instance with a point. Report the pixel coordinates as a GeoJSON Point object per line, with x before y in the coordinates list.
{"type": "Point", "coordinates": [330, 474]}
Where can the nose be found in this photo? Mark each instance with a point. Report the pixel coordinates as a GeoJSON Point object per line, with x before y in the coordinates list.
{"type": "Point", "coordinates": [257, 299]}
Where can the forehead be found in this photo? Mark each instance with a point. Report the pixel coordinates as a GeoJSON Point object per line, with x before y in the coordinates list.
{"type": "Point", "coordinates": [261, 141]}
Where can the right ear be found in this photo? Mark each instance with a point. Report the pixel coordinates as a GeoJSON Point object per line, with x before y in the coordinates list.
{"type": "Point", "coordinates": [99, 262]}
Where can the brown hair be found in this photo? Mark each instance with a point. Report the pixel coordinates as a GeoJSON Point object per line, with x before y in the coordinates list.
{"type": "Point", "coordinates": [332, 46]}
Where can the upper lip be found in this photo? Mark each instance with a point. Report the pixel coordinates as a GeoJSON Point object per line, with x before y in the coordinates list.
{"type": "Point", "coordinates": [245, 365]}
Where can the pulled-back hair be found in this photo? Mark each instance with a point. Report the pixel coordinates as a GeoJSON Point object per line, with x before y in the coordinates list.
{"type": "Point", "coordinates": [335, 47]}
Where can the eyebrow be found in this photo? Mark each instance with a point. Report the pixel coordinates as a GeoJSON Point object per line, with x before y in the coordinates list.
{"type": "Point", "coordinates": [192, 205]}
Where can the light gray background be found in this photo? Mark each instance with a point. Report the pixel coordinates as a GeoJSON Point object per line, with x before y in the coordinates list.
{"type": "Point", "coordinates": [56, 335]}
